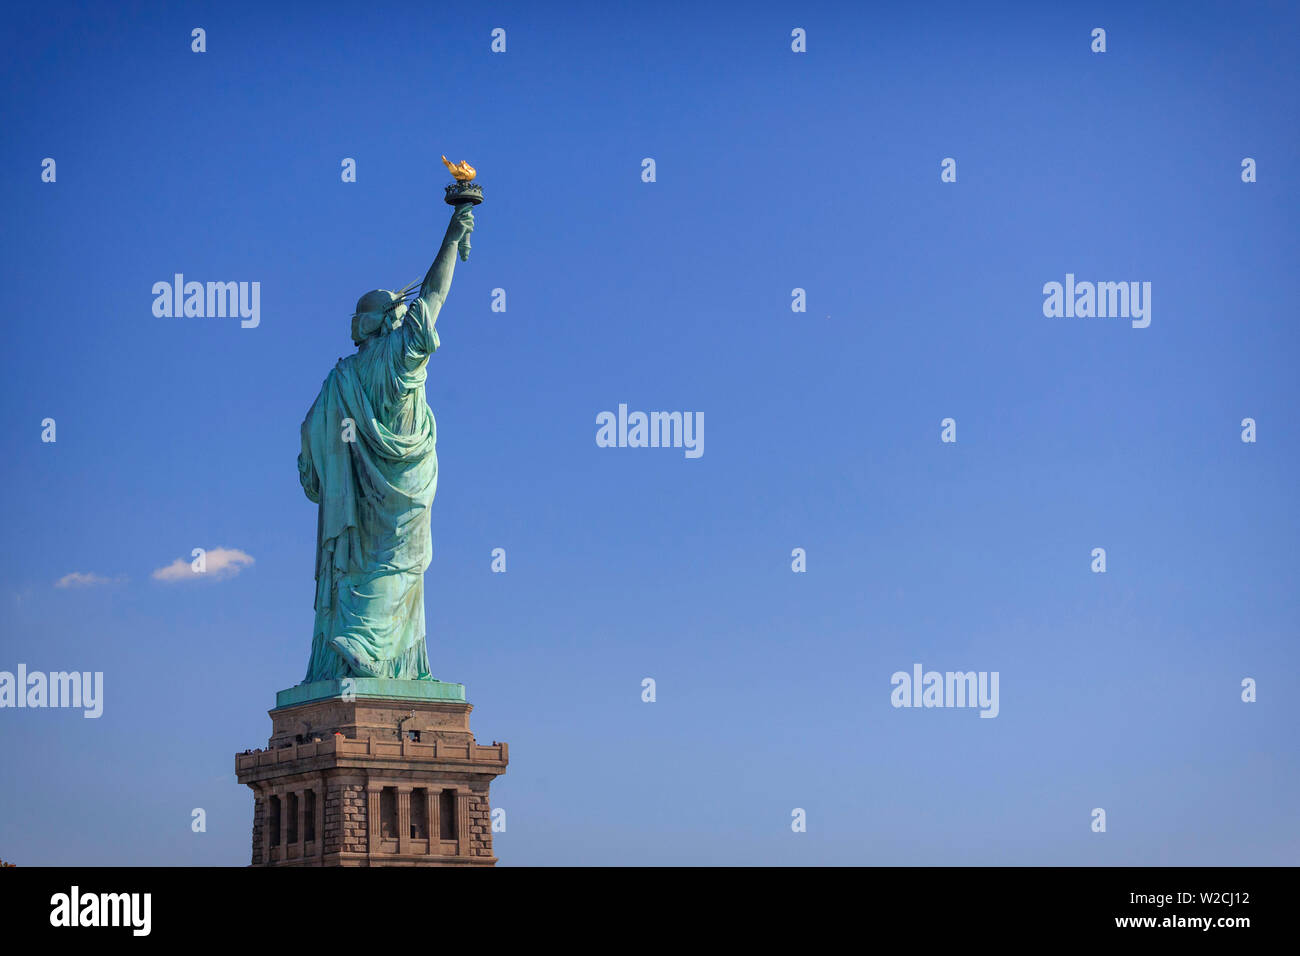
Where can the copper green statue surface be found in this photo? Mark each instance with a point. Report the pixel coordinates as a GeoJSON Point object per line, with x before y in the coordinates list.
{"type": "Point", "coordinates": [368, 461]}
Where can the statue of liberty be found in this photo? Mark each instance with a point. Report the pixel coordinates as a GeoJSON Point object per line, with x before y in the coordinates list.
{"type": "Point", "coordinates": [368, 461]}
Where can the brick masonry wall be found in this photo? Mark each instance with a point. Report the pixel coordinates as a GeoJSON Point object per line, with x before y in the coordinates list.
{"type": "Point", "coordinates": [480, 826]}
{"type": "Point", "coordinates": [333, 836]}
{"type": "Point", "coordinates": [352, 797]}
{"type": "Point", "coordinates": [258, 815]}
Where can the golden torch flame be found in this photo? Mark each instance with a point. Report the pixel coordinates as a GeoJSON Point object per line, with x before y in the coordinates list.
{"type": "Point", "coordinates": [463, 171]}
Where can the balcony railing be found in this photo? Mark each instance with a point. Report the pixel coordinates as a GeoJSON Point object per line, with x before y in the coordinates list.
{"type": "Point", "coordinates": [435, 750]}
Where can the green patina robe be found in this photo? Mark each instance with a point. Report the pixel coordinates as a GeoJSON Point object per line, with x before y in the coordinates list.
{"type": "Point", "coordinates": [373, 543]}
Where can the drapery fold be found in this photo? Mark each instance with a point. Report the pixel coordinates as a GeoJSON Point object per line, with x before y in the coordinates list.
{"type": "Point", "coordinates": [368, 460]}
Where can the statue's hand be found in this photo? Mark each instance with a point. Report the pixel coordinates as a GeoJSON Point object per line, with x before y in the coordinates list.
{"type": "Point", "coordinates": [464, 218]}
{"type": "Point", "coordinates": [462, 223]}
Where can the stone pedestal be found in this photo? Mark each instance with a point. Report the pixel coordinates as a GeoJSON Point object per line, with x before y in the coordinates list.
{"type": "Point", "coordinates": [372, 773]}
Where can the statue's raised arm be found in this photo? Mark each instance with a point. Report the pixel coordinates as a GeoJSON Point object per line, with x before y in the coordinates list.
{"type": "Point", "coordinates": [437, 281]}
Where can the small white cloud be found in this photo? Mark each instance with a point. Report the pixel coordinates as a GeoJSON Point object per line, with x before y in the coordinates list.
{"type": "Point", "coordinates": [217, 563]}
{"type": "Point", "coordinates": [78, 580]}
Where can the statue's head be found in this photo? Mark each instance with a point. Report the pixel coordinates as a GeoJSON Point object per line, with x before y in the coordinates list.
{"type": "Point", "coordinates": [374, 309]}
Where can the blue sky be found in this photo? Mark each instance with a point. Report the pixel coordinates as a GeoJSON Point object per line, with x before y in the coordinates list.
{"type": "Point", "coordinates": [775, 171]}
